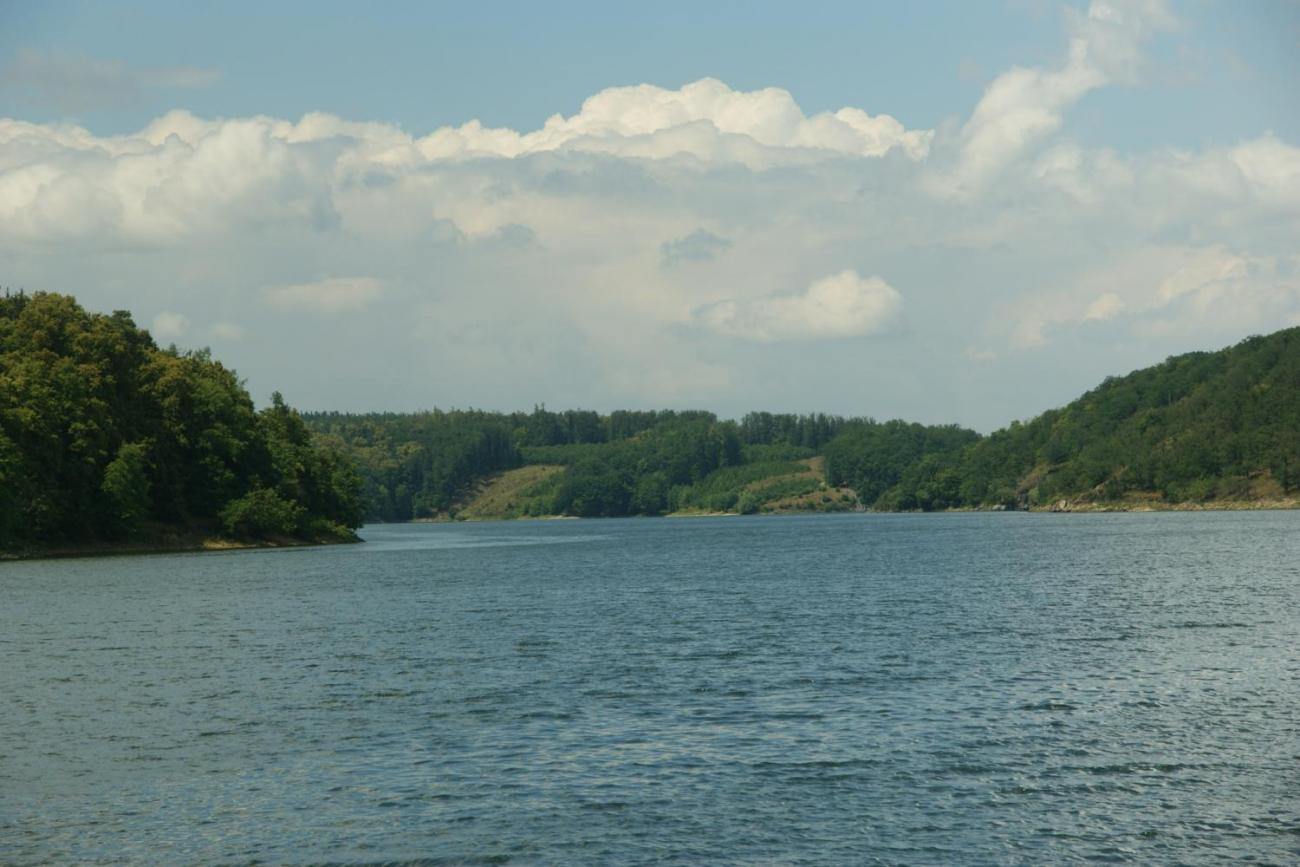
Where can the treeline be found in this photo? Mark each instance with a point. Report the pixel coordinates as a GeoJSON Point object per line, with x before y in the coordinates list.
{"type": "Point", "coordinates": [104, 437]}
{"type": "Point", "coordinates": [628, 462]}
{"type": "Point", "coordinates": [896, 465]}
{"type": "Point", "coordinates": [636, 475]}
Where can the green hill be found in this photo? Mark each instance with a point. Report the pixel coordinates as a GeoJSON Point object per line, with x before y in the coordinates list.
{"type": "Point", "coordinates": [1206, 427]}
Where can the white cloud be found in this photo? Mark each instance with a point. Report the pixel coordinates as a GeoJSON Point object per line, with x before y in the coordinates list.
{"type": "Point", "coordinates": [705, 119]}
{"type": "Point", "coordinates": [1271, 167]}
{"type": "Point", "coordinates": [169, 326]}
{"type": "Point", "coordinates": [1023, 106]}
{"type": "Point", "coordinates": [596, 260]}
{"type": "Point", "coordinates": [841, 305]}
{"type": "Point", "coordinates": [1091, 178]}
{"type": "Point", "coordinates": [182, 175]}
{"type": "Point", "coordinates": [1203, 272]}
{"type": "Point", "coordinates": [328, 297]}
{"type": "Point", "coordinates": [1169, 291]}
{"type": "Point", "coordinates": [1104, 307]}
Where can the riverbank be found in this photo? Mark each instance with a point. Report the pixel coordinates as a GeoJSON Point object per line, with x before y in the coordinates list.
{"type": "Point", "coordinates": [178, 543]}
{"type": "Point", "coordinates": [1062, 507]}
{"type": "Point", "coordinates": [1152, 505]}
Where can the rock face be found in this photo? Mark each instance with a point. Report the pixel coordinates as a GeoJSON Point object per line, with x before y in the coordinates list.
{"type": "Point", "coordinates": [1060, 506]}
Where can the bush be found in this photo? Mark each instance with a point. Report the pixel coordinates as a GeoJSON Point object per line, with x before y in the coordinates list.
{"type": "Point", "coordinates": [126, 487]}
{"type": "Point", "coordinates": [261, 513]}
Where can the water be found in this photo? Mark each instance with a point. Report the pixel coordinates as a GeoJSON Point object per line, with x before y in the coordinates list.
{"type": "Point", "coordinates": [858, 689]}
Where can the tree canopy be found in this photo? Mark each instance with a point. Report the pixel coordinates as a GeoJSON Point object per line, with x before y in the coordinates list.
{"type": "Point", "coordinates": [104, 436]}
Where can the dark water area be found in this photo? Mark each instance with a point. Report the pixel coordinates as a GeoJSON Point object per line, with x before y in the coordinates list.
{"type": "Point", "coordinates": [856, 689]}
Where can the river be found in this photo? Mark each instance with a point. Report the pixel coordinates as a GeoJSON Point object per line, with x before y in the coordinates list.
{"type": "Point", "coordinates": [850, 689]}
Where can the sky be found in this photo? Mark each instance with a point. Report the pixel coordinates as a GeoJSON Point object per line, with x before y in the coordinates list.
{"type": "Point", "coordinates": [945, 212]}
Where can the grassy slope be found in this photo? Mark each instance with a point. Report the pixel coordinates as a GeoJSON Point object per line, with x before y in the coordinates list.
{"type": "Point", "coordinates": [504, 495]}
{"type": "Point", "coordinates": [785, 496]}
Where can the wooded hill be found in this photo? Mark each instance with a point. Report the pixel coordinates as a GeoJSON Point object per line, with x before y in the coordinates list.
{"type": "Point", "coordinates": [1205, 427]}
{"type": "Point", "coordinates": [106, 438]}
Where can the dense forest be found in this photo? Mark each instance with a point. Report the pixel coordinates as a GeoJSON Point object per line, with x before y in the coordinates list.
{"type": "Point", "coordinates": [105, 437]}
{"type": "Point", "coordinates": [1201, 427]}
{"type": "Point", "coordinates": [1204, 426]}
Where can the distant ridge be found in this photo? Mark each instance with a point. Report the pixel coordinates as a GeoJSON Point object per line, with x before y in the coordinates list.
{"type": "Point", "coordinates": [1204, 429]}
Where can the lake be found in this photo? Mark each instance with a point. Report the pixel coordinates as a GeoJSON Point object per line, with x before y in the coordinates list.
{"type": "Point", "coordinates": [851, 689]}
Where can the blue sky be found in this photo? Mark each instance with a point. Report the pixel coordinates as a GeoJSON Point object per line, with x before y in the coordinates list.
{"type": "Point", "coordinates": [424, 65]}
{"type": "Point", "coordinates": [1018, 199]}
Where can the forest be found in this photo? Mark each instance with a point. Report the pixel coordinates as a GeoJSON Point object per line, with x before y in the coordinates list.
{"type": "Point", "coordinates": [1200, 427]}
{"type": "Point", "coordinates": [106, 437]}
{"type": "Point", "coordinates": [1204, 427]}
{"type": "Point", "coordinates": [419, 465]}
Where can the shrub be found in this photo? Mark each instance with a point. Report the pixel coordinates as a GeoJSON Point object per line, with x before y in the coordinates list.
{"type": "Point", "coordinates": [261, 513]}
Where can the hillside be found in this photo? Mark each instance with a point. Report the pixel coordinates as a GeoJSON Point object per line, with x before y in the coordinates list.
{"type": "Point", "coordinates": [1201, 428]}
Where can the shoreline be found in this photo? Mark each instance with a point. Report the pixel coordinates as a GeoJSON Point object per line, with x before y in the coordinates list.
{"type": "Point", "coordinates": [1058, 508]}
{"type": "Point", "coordinates": [1261, 505]}
{"type": "Point", "coordinates": [203, 544]}
{"type": "Point", "coordinates": [181, 545]}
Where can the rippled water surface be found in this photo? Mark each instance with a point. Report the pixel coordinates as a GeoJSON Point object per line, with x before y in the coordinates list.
{"type": "Point", "coordinates": [861, 689]}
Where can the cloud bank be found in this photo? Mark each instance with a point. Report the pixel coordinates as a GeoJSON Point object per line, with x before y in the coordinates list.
{"type": "Point", "coordinates": [696, 246]}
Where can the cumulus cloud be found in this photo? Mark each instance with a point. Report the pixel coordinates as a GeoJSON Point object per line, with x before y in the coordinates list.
{"type": "Point", "coordinates": [75, 83]}
{"type": "Point", "coordinates": [328, 297]}
{"type": "Point", "coordinates": [699, 246]}
{"type": "Point", "coordinates": [169, 326]}
{"type": "Point", "coordinates": [1024, 105]}
{"type": "Point", "coordinates": [704, 119]}
{"type": "Point", "coordinates": [183, 175]}
{"type": "Point", "coordinates": [841, 305]}
{"type": "Point", "coordinates": [596, 261]}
